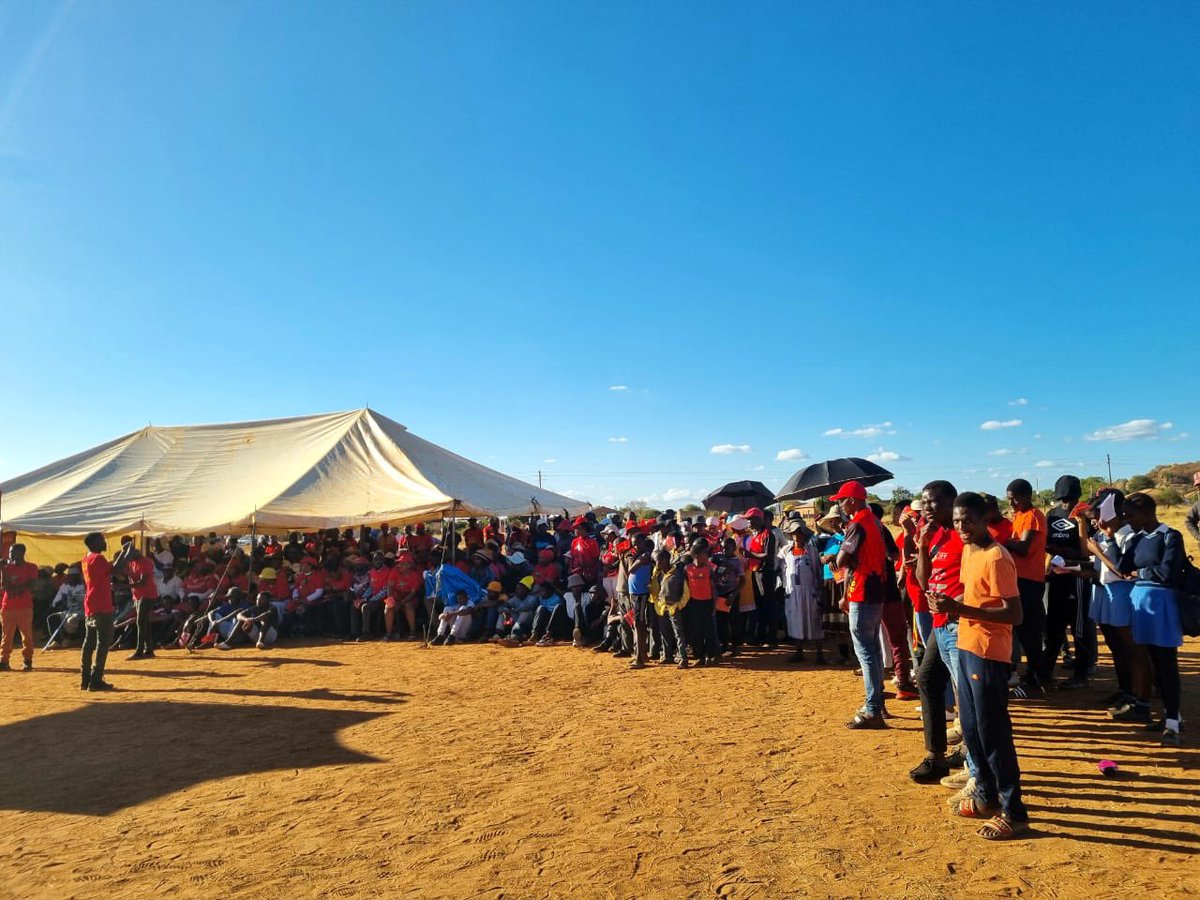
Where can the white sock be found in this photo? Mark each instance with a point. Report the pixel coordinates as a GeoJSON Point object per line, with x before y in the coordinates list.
{"type": "Point", "coordinates": [1172, 725]}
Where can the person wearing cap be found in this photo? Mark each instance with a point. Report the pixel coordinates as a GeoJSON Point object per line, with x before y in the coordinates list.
{"type": "Point", "coordinates": [1067, 592]}
{"type": "Point", "coordinates": [490, 608]}
{"type": "Point", "coordinates": [170, 585]}
{"type": "Point", "coordinates": [1192, 520]}
{"type": "Point", "coordinates": [67, 605]}
{"type": "Point", "coordinates": [585, 553]}
{"type": "Point", "coordinates": [405, 590]}
{"type": "Point", "coordinates": [1028, 549]}
{"type": "Point", "coordinates": [864, 557]}
{"type": "Point", "coordinates": [516, 615]}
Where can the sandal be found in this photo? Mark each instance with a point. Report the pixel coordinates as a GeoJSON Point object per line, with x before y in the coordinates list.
{"type": "Point", "coordinates": [1001, 828]}
{"type": "Point", "coordinates": [972, 808]}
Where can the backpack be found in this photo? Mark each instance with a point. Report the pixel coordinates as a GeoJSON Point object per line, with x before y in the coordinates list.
{"type": "Point", "coordinates": [724, 579]}
{"type": "Point", "coordinates": [1187, 595]}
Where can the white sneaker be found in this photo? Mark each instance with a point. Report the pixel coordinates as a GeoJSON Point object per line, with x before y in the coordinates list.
{"type": "Point", "coordinates": [966, 793]}
{"type": "Point", "coordinates": [224, 647]}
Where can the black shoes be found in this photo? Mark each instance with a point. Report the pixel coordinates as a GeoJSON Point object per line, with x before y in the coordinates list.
{"type": "Point", "coordinates": [930, 771]}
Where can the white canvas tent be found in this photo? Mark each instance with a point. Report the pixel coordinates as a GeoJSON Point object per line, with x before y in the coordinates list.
{"type": "Point", "coordinates": [322, 471]}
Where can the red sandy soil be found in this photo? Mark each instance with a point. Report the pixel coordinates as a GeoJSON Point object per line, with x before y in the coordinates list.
{"type": "Point", "coordinates": [481, 771]}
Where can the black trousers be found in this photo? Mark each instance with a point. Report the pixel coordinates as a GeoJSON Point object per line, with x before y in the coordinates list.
{"type": "Point", "coordinates": [1065, 601]}
{"type": "Point", "coordinates": [97, 635]}
{"type": "Point", "coordinates": [145, 635]}
{"type": "Point", "coordinates": [1030, 631]}
{"type": "Point", "coordinates": [933, 678]}
{"type": "Point", "coordinates": [554, 622]}
{"type": "Point", "coordinates": [766, 604]}
{"type": "Point", "coordinates": [1165, 661]}
{"type": "Point", "coordinates": [702, 627]}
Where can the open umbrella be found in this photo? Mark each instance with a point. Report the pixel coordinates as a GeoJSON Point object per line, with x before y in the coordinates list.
{"type": "Point", "coordinates": [824, 478]}
{"type": "Point", "coordinates": [739, 496]}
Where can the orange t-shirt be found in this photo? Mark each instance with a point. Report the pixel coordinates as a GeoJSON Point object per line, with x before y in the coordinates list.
{"type": "Point", "coordinates": [1033, 564]}
{"type": "Point", "coordinates": [989, 575]}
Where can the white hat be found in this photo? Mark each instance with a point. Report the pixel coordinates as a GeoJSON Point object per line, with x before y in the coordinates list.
{"type": "Point", "coordinates": [713, 521]}
{"type": "Point", "coordinates": [517, 559]}
{"type": "Point", "coordinates": [739, 523]}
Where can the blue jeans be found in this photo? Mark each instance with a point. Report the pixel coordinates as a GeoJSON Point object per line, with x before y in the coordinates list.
{"type": "Point", "coordinates": [865, 619]}
{"type": "Point", "coordinates": [947, 641]}
{"type": "Point", "coordinates": [987, 732]}
{"type": "Point", "coordinates": [924, 626]}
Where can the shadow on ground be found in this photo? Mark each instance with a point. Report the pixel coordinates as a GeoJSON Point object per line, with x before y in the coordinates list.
{"type": "Point", "coordinates": [104, 757]}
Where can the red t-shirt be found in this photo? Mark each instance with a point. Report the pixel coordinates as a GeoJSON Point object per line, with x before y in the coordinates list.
{"type": "Point", "coordinates": [141, 578]}
{"type": "Point", "coordinates": [699, 579]}
{"type": "Point", "coordinates": [1001, 531]}
{"type": "Point", "coordinates": [403, 582]}
{"type": "Point", "coordinates": [473, 537]}
{"type": "Point", "coordinates": [945, 563]}
{"type": "Point", "coordinates": [21, 598]}
{"type": "Point", "coordinates": [340, 581]}
{"type": "Point", "coordinates": [585, 557]}
{"type": "Point", "coordinates": [97, 578]}
{"type": "Point", "coordinates": [546, 572]}
{"type": "Point", "coordinates": [756, 544]}
{"type": "Point", "coordinates": [420, 544]}
{"type": "Point", "coordinates": [379, 579]}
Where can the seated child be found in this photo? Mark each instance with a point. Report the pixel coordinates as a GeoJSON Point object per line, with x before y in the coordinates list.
{"type": "Point", "coordinates": [455, 621]}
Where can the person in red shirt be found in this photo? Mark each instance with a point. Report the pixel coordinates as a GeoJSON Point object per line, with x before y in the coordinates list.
{"type": "Point", "coordinates": [387, 540]}
{"type": "Point", "coordinates": [338, 581]}
{"type": "Point", "coordinates": [864, 557]}
{"type": "Point", "coordinates": [420, 544]}
{"type": "Point", "coordinates": [16, 605]}
{"type": "Point", "coordinates": [139, 570]}
{"type": "Point", "coordinates": [701, 608]}
{"type": "Point", "coordinates": [491, 531]}
{"type": "Point", "coordinates": [473, 536]}
{"type": "Point", "coordinates": [585, 554]}
{"type": "Point", "coordinates": [97, 610]}
{"type": "Point", "coordinates": [1000, 528]}
{"type": "Point", "coordinates": [939, 559]}
{"type": "Point", "coordinates": [405, 587]}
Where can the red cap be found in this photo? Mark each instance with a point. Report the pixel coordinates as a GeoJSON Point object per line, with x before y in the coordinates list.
{"type": "Point", "coordinates": [850, 490]}
{"type": "Point", "coordinates": [754, 512]}
{"type": "Point", "coordinates": [581, 522]}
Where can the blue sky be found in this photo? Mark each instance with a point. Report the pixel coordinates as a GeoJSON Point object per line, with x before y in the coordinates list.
{"type": "Point", "coordinates": [609, 240]}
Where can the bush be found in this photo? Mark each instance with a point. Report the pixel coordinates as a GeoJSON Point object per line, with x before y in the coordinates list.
{"type": "Point", "coordinates": [1140, 483]}
{"type": "Point", "coordinates": [1168, 496]}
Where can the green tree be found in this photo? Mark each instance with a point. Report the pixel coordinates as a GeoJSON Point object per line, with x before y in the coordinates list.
{"type": "Point", "coordinates": [901, 495]}
{"type": "Point", "coordinates": [1168, 496]}
{"type": "Point", "coordinates": [1140, 483]}
{"type": "Point", "coordinates": [690, 509]}
{"type": "Point", "coordinates": [1092, 484]}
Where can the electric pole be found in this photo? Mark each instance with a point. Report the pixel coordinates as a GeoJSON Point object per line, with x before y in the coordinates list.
{"type": "Point", "coordinates": [1108, 459]}
{"type": "Point", "coordinates": [540, 478]}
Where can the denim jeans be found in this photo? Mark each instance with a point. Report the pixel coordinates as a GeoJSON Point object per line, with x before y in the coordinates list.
{"type": "Point", "coordinates": [987, 732]}
{"type": "Point", "coordinates": [947, 641]}
{"type": "Point", "coordinates": [865, 619]}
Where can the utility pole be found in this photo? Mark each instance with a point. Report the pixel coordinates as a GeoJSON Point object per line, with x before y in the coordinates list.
{"type": "Point", "coordinates": [1108, 459]}
{"type": "Point", "coordinates": [540, 478]}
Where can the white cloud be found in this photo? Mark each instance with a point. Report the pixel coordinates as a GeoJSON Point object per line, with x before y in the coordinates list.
{"type": "Point", "coordinates": [1133, 430]}
{"type": "Point", "coordinates": [996, 424]}
{"type": "Point", "coordinates": [1008, 451]}
{"type": "Point", "coordinates": [1043, 463]}
{"type": "Point", "coordinates": [758, 468]}
{"type": "Point", "coordinates": [618, 387]}
{"type": "Point", "coordinates": [868, 432]}
{"type": "Point", "coordinates": [1182, 436]}
{"type": "Point", "coordinates": [792, 453]}
{"type": "Point", "coordinates": [672, 495]}
{"type": "Point", "coordinates": [549, 460]}
{"type": "Point", "coordinates": [726, 449]}
{"type": "Point", "coordinates": [618, 440]}
{"type": "Point", "coordinates": [882, 455]}
{"type": "Point", "coordinates": [1038, 436]}
{"type": "Point", "coordinates": [1020, 401]}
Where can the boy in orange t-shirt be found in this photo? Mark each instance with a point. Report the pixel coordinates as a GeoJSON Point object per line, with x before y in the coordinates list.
{"type": "Point", "coordinates": [1028, 548]}
{"type": "Point", "coordinates": [989, 609]}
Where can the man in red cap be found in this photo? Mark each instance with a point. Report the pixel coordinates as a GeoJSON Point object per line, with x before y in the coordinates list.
{"type": "Point", "coordinates": [585, 553]}
{"type": "Point", "coordinates": [864, 557]}
{"type": "Point", "coordinates": [761, 550]}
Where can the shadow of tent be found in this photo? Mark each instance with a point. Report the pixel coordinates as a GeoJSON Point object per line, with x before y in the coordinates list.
{"type": "Point", "coordinates": [104, 757]}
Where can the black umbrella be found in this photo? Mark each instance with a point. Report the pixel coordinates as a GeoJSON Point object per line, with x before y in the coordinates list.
{"type": "Point", "coordinates": [739, 496]}
{"type": "Point", "coordinates": [824, 478]}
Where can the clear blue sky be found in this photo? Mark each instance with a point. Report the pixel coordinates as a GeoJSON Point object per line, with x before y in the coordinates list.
{"type": "Point", "coordinates": [762, 221]}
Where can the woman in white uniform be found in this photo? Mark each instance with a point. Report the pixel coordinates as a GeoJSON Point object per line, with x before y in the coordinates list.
{"type": "Point", "coordinates": [801, 577]}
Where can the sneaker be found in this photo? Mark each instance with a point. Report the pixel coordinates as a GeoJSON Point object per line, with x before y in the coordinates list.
{"type": "Point", "coordinates": [967, 792]}
{"type": "Point", "coordinates": [27, 666]}
{"type": "Point", "coordinates": [958, 780]}
{"type": "Point", "coordinates": [863, 721]}
{"type": "Point", "coordinates": [220, 646]}
{"type": "Point", "coordinates": [545, 642]}
{"type": "Point", "coordinates": [1073, 683]}
{"type": "Point", "coordinates": [1116, 700]}
{"type": "Point", "coordinates": [99, 684]}
{"type": "Point", "coordinates": [137, 654]}
{"type": "Point", "coordinates": [906, 693]}
{"type": "Point", "coordinates": [1131, 712]}
{"type": "Point", "coordinates": [4, 666]}
{"type": "Point", "coordinates": [149, 654]}
{"type": "Point", "coordinates": [450, 641]}
{"type": "Point", "coordinates": [1170, 738]}
{"type": "Point", "coordinates": [637, 664]}
{"type": "Point", "coordinates": [683, 663]}
{"type": "Point", "coordinates": [929, 771]}
{"type": "Point", "coordinates": [957, 759]}
{"type": "Point", "coordinates": [954, 735]}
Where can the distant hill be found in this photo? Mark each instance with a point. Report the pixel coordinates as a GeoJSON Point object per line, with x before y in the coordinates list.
{"type": "Point", "coordinates": [1177, 475]}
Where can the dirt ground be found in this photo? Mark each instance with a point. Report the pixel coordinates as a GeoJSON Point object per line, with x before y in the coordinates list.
{"type": "Point", "coordinates": [479, 771]}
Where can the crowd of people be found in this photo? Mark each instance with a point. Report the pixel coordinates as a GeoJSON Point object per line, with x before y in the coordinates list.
{"type": "Point", "coordinates": [966, 609]}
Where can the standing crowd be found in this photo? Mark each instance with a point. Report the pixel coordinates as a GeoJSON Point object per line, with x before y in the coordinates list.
{"type": "Point", "coordinates": [965, 608]}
